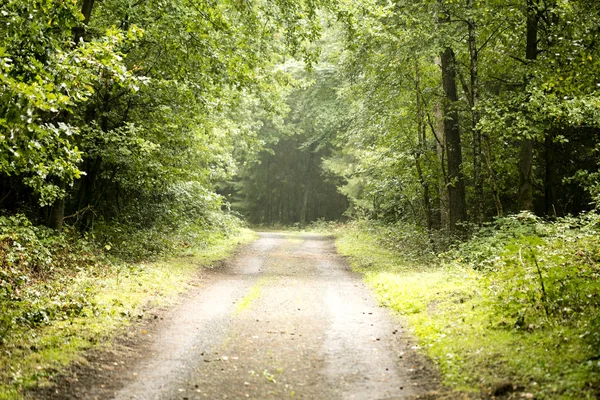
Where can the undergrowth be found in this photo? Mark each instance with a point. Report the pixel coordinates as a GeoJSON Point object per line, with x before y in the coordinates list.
{"type": "Point", "coordinates": [517, 305]}
{"type": "Point", "coordinates": [63, 293]}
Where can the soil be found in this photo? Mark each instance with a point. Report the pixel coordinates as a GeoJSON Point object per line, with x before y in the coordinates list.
{"type": "Point", "coordinates": [285, 318]}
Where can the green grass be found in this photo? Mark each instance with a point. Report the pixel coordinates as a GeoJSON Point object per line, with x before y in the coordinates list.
{"type": "Point", "coordinates": [116, 298]}
{"type": "Point", "coordinates": [255, 293]}
{"type": "Point", "coordinates": [455, 320]}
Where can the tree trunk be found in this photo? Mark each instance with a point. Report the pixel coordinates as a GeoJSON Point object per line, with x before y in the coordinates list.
{"type": "Point", "coordinates": [526, 146]}
{"type": "Point", "coordinates": [442, 199]}
{"type": "Point", "coordinates": [57, 213]}
{"type": "Point", "coordinates": [269, 212]}
{"type": "Point", "coordinates": [422, 148]}
{"type": "Point", "coordinates": [492, 176]}
{"type": "Point", "coordinates": [437, 127]}
{"type": "Point", "coordinates": [58, 209]}
{"type": "Point", "coordinates": [86, 10]}
{"type": "Point", "coordinates": [474, 103]}
{"type": "Point", "coordinates": [5, 192]}
{"type": "Point", "coordinates": [456, 186]}
{"type": "Point", "coordinates": [525, 175]}
{"type": "Point", "coordinates": [532, 30]}
{"type": "Point", "coordinates": [305, 203]}
{"type": "Point", "coordinates": [550, 181]}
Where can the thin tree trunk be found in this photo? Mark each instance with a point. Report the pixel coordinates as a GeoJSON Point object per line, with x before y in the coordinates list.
{"type": "Point", "coordinates": [57, 214]}
{"type": "Point", "coordinates": [268, 217]}
{"type": "Point", "coordinates": [456, 186]}
{"type": "Point", "coordinates": [308, 180]}
{"type": "Point", "coordinates": [280, 208]}
{"type": "Point", "coordinates": [86, 10]}
{"type": "Point", "coordinates": [525, 175]}
{"type": "Point", "coordinates": [474, 103]}
{"type": "Point", "coordinates": [304, 203]}
{"type": "Point", "coordinates": [437, 127]}
{"type": "Point", "coordinates": [526, 146]}
{"type": "Point", "coordinates": [422, 148]}
{"type": "Point", "coordinates": [550, 181]}
{"type": "Point", "coordinates": [492, 176]}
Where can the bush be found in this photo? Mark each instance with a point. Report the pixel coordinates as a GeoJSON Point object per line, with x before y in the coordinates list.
{"type": "Point", "coordinates": [518, 302]}
{"type": "Point", "coordinates": [134, 243]}
{"type": "Point", "coordinates": [414, 242]}
{"type": "Point", "coordinates": [185, 215]}
{"type": "Point", "coordinates": [37, 270]}
{"type": "Point", "coordinates": [29, 253]}
{"type": "Point", "coordinates": [42, 272]}
{"type": "Point", "coordinates": [539, 273]}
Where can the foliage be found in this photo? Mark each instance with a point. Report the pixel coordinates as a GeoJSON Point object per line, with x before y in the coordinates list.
{"type": "Point", "coordinates": [393, 153]}
{"type": "Point", "coordinates": [285, 182]}
{"type": "Point", "coordinates": [190, 217]}
{"type": "Point", "coordinates": [417, 245]}
{"type": "Point", "coordinates": [61, 294]}
{"type": "Point", "coordinates": [108, 120]}
{"type": "Point", "coordinates": [115, 127]}
{"type": "Point", "coordinates": [119, 129]}
{"type": "Point", "coordinates": [539, 273]}
{"type": "Point", "coordinates": [30, 256]}
{"type": "Point", "coordinates": [479, 309]}
{"type": "Point", "coordinates": [44, 76]}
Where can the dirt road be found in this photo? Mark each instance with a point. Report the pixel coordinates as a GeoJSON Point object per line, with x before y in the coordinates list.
{"type": "Point", "coordinates": [284, 319]}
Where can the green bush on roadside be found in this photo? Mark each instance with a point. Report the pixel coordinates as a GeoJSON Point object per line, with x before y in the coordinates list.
{"type": "Point", "coordinates": [519, 302]}
{"type": "Point", "coordinates": [539, 273]}
{"type": "Point", "coordinates": [37, 270]}
{"type": "Point", "coordinates": [61, 293]}
{"type": "Point", "coordinates": [41, 270]}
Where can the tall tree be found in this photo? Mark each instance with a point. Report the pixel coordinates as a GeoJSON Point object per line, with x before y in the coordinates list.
{"type": "Point", "coordinates": [526, 146]}
{"type": "Point", "coordinates": [456, 187]}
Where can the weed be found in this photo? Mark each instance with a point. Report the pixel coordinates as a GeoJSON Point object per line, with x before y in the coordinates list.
{"type": "Point", "coordinates": [518, 302]}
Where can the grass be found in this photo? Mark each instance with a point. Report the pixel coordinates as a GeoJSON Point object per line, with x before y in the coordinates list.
{"type": "Point", "coordinates": [116, 298]}
{"type": "Point", "coordinates": [255, 293]}
{"type": "Point", "coordinates": [454, 318]}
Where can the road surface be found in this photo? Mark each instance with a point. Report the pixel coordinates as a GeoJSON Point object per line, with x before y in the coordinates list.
{"type": "Point", "coordinates": [284, 319]}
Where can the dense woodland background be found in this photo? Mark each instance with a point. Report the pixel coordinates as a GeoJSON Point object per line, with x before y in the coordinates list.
{"type": "Point", "coordinates": [434, 112]}
{"type": "Point", "coordinates": [461, 130]}
{"type": "Point", "coordinates": [450, 112]}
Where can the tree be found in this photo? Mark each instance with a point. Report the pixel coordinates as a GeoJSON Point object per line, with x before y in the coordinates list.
{"type": "Point", "coordinates": [115, 108]}
{"type": "Point", "coordinates": [456, 187]}
{"type": "Point", "coordinates": [514, 135]}
{"type": "Point", "coordinates": [286, 182]}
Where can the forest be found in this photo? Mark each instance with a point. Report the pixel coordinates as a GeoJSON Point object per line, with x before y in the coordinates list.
{"type": "Point", "coordinates": [452, 147]}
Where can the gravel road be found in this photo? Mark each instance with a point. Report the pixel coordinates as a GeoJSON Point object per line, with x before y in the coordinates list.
{"type": "Point", "coordinates": [284, 319]}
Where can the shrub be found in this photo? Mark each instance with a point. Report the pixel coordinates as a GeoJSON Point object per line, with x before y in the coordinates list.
{"type": "Point", "coordinates": [539, 273]}
{"type": "Point", "coordinates": [37, 270]}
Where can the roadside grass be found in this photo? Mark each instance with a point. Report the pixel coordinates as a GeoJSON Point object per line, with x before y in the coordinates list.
{"type": "Point", "coordinates": [255, 293]}
{"type": "Point", "coordinates": [454, 314]}
{"type": "Point", "coordinates": [113, 296]}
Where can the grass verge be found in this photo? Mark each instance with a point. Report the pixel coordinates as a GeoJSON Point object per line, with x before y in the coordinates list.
{"type": "Point", "coordinates": [459, 322]}
{"type": "Point", "coordinates": [114, 297]}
